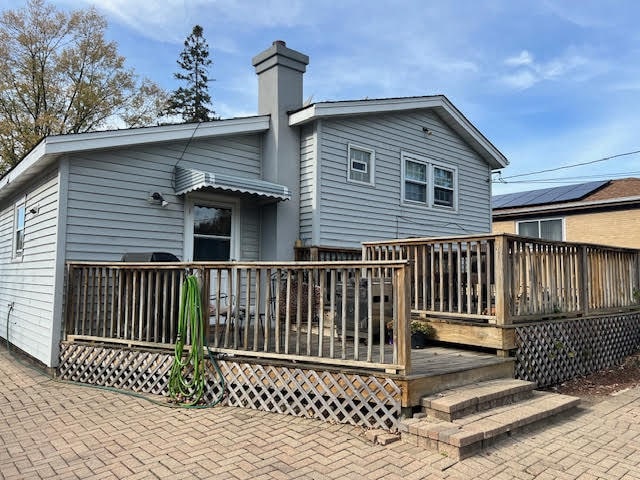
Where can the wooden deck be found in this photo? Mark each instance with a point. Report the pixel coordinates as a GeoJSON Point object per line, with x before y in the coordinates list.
{"type": "Point", "coordinates": [438, 368]}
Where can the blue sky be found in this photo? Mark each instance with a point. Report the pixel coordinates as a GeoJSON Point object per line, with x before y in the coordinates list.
{"type": "Point", "coordinates": [550, 83]}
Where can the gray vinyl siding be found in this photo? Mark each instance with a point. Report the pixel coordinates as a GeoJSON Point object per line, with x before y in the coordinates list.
{"type": "Point", "coordinates": [307, 181]}
{"type": "Point", "coordinates": [249, 232]}
{"type": "Point", "coordinates": [108, 211]}
{"type": "Point", "coordinates": [351, 213]}
{"type": "Point", "coordinates": [29, 283]}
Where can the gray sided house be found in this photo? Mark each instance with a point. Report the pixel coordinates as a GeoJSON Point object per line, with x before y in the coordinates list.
{"type": "Point", "coordinates": [331, 174]}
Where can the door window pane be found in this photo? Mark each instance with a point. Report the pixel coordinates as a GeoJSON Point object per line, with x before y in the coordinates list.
{"type": "Point", "coordinates": [211, 233]}
{"type": "Point", "coordinates": [212, 221]}
{"type": "Point", "coordinates": [211, 249]}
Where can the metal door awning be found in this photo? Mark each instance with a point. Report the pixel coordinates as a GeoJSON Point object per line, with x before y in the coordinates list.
{"type": "Point", "coordinates": [191, 180]}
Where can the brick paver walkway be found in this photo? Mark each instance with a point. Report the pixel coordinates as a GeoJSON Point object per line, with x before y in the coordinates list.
{"type": "Point", "coordinates": [50, 429]}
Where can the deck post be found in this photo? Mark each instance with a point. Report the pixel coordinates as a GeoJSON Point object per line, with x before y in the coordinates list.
{"type": "Point", "coordinates": [205, 286]}
{"type": "Point", "coordinates": [403, 282]}
{"type": "Point", "coordinates": [583, 280]}
{"type": "Point", "coordinates": [502, 275]}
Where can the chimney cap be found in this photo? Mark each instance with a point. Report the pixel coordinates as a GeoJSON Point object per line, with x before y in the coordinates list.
{"type": "Point", "coordinates": [279, 54]}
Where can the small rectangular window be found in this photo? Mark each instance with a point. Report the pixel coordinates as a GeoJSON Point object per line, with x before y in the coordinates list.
{"type": "Point", "coordinates": [18, 238]}
{"type": "Point", "coordinates": [551, 229]}
{"type": "Point", "coordinates": [361, 162]}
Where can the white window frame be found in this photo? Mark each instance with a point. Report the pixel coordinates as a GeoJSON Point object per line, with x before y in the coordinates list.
{"type": "Point", "coordinates": [432, 185]}
{"type": "Point", "coordinates": [416, 159]}
{"type": "Point", "coordinates": [215, 201]}
{"type": "Point", "coordinates": [20, 204]}
{"type": "Point", "coordinates": [371, 166]}
{"type": "Point", "coordinates": [562, 221]}
{"type": "Point", "coordinates": [429, 183]}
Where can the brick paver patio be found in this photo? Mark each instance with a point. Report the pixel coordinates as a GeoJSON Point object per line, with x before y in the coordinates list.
{"type": "Point", "coordinates": [50, 429]}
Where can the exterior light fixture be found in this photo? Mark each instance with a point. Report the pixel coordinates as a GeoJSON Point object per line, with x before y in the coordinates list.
{"type": "Point", "coordinates": [156, 197]}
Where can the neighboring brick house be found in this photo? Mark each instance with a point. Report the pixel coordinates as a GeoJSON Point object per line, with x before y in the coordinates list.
{"type": "Point", "coordinates": [604, 212]}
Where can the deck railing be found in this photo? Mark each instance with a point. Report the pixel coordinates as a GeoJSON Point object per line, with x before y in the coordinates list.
{"type": "Point", "coordinates": [332, 313]}
{"type": "Point", "coordinates": [327, 254]}
{"type": "Point", "coordinates": [505, 279]}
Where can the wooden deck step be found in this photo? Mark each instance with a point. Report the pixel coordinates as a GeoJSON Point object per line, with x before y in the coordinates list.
{"type": "Point", "coordinates": [463, 437]}
{"type": "Point", "coordinates": [456, 403]}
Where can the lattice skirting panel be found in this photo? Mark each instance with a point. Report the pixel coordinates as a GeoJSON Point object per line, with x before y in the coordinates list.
{"type": "Point", "coordinates": [364, 400]}
{"type": "Point", "coordinates": [553, 352]}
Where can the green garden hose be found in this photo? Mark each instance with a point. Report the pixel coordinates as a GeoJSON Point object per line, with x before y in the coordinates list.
{"type": "Point", "coordinates": [188, 377]}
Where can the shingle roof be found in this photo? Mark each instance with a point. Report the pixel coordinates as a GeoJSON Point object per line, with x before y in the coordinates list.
{"type": "Point", "coordinates": [622, 188]}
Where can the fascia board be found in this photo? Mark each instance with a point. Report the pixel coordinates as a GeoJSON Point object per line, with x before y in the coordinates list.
{"type": "Point", "coordinates": [449, 113]}
{"type": "Point", "coordinates": [121, 138]}
{"type": "Point", "coordinates": [359, 107]}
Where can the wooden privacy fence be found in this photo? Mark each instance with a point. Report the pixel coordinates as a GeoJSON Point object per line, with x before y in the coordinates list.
{"type": "Point", "coordinates": [327, 313]}
{"type": "Point", "coordinates": [505, 279]}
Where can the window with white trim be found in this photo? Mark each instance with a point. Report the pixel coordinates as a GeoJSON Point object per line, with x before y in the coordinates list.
{"type": "Point", "coordinates": [361, 165]}
{"type": "Point", "coordinates": [211, 233]}
{"type": "Point", "coordinates": [18, 234]}
{"type": "Point", "coordinates": [443, 182]}
{"type": "Point", "coordinates": [428, 183]}
{"type": "Point", "coordinates": [548, 229]}
{"type": "Point", "coordinates": [415, 180]}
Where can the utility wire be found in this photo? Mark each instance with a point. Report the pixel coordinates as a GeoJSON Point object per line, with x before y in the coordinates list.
{"type": "Point", "coordinates": [570, 180]}
{"type": "Point", "coordinates": [570, 166]}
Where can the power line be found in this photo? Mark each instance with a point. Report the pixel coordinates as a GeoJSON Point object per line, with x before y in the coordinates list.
{"type": "Point", "coordinates": [568, 180]}
{"type": "Point", "coordinates": [570, 166]}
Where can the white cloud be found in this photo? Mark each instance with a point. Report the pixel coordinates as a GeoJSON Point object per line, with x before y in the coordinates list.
{"type": "Point", "coordinates": [521, 80]}
{"type": "Point", "coordinates": [569, 66]}
{"type": "Point", "coordinates": [171, 20]}
{"type": "Point", "coordinates": [524, 58]}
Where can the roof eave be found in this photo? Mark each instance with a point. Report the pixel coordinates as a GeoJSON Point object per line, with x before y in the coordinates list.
{"type": "Point", "coordinates": [444, 108]}
{"type": "Point", "coordinates": [50, 148]}
{"type": "Point", "coordinates": [169, 133]}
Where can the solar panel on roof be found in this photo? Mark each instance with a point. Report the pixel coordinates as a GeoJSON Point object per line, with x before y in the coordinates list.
{"type": "Point", "coordinates": [543, 196]}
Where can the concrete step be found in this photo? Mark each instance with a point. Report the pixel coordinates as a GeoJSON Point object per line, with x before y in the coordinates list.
{"type": "Point", "coordinates": [456, 403]}
{"type": "Point", "coordinates": [463, 437]}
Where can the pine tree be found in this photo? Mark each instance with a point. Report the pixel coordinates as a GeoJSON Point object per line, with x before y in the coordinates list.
{"type": "Point", "coordinates": [192, 101]}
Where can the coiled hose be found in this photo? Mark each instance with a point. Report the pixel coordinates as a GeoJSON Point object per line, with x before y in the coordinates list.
{"type": "Point", "coordinates": [188, 377]}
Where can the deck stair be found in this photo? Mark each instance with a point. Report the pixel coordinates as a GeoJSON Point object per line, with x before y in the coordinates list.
{"type": "Point", "coordinates": [461, 421]}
